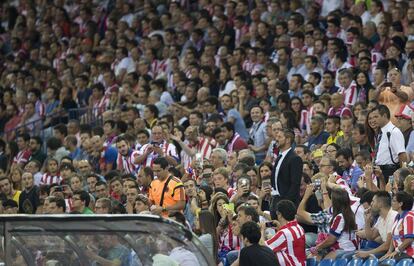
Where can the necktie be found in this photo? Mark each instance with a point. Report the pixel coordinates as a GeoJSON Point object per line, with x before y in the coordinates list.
{"type": "Point", "coordinates": [378, 139]}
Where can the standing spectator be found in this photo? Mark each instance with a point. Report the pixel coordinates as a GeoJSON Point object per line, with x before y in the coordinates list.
{"type": "Point", "coordinates": [287, 172]}
{"type": "Point", "coordinates": [389, 146]}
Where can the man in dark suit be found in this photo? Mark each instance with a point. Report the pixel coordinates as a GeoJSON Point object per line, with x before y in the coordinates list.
{"type": "Point", "coordinates": [287, 172]}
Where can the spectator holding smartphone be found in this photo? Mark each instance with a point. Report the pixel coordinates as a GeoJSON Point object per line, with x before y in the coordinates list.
{"type": "Point", "coordinates": [289, 242]}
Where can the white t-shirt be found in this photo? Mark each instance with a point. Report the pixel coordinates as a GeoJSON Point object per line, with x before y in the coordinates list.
{"type": "Point", "coordinates": [385, 226]}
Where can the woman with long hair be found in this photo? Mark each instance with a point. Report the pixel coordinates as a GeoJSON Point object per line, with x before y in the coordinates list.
{"type": "Point", "coordinates": [205, 224]}
{"type": "Point", "coordinates": [365, 90]}
{"type": "Point", "coordinates": [288, 119]}
{"type": "Point", "coordinates": [265, 173]}
{"type": "Point", "coordinates": [372, 129]}
{"type": "Point", "coordinates": [357, 109]}
{"type": "Point", "coordinates": [223, 216]}
{"type": "Point", "coordinates": [296, 105]}
{"type": "Point", "coordinates": [342, 228]}
{"type": "Point", "coordinates": [16, 178]}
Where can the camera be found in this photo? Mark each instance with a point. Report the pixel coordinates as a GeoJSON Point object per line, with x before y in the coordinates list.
{"type": "Point", "coordinates": [250, 141]}
{"type": "Point", "coordinates": [59, 189]}
{"type": "Point", "coordinates": [317, 184]}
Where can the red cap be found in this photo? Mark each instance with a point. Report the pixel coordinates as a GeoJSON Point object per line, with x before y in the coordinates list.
{"type": "Point", "coordinates": [405, 111]}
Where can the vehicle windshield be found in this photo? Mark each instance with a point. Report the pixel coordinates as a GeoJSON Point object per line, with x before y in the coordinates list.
{"type": "Point", "coordinates": [129, 243]}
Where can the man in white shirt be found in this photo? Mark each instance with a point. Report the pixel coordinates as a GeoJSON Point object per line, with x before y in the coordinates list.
{"type": "Point", "coordinates": [389, 143]}
{"type": "Point", "coordinates": [381, 231]}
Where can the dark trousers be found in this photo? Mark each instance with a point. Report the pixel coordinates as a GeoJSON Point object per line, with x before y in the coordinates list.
{"type": "Point", "coordinates": [388, 170]}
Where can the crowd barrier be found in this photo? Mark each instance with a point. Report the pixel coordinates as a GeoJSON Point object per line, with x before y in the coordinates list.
{"type": "Point", "coordinates": [90, 116]}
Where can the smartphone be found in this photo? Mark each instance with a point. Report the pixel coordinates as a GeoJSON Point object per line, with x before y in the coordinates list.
{"type": "Point", "coordinates": [199, 159]}
{"type": "Point", "coordinates": [270, 224]}
{"type": "Point", "coordinates": [387, 84]}
{"type": "Point", "coordinates": [391, 180]}
{"type": "Point", "coordinates": [229, 206]}
{"type": "Point", "coordinates": [266, 183]}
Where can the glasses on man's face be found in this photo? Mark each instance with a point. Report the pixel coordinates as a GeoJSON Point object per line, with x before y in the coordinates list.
{"type": "Point", "coordinates": [75, 199]}
{"type": "Point", "coordinates": [324, 165]}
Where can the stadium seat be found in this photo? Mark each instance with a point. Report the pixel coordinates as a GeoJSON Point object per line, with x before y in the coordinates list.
{"type": "Point", "coordinates": [340, 262]}
{"type": "Point", "coordinates": [389, 262]}
{"type": "Point", "coordinates": [326, 262]}
{"type": "Point", "coordinates": [371, 262]}
{"type": "Point", "coordinates": [405, 262]}
{"type": "Point", "coordinates": [355, 262]}
{"type": "Point", "coordinates": [311, 262]}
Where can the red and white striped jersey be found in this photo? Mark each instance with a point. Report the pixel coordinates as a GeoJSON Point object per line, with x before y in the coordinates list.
{"type": "Point", "coordinates": [168, 149]}
{"type": "Point", "coordinates": [344, 240]}
{"type": "Point", "coordinates": [100, 106]}
{"type": "Point", "coordinates": [203, 147]}
{"type": "Point", "coordinates": [228, 241]}
{"type": "Point", "coordinates": [22, 157]}
{"type": "Point", "coordinates": [49, 179]}
{"type": "Point", "coordinates": [305, 119]}
{"type": "Point", "coordinates": [350, 94]}
{"type": "Point", "coordinates": [40, 108]}
{"type": "Point", "coordinates": [289, 244]}
{"type": "Point", "coordinates": [341, 111]}
{"type": "Point", "coordinates": [126, 164]}
{"type": "Point", "coordinates": [402, 229]}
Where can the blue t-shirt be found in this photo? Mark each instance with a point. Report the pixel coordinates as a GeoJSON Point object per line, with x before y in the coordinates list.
{"type": "Point", "coordinates": [111, 154]}
{"type": "Point", "coordinates": [318, 140]}
{"type": "Point", "coordinates": [239, 125]}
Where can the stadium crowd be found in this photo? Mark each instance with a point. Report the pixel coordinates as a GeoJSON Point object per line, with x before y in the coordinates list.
{"type": "Point", "coordinates": [276, 130]}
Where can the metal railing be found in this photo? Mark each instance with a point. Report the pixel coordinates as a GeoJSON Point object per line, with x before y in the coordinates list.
{"type": "Point", "coordinates": [85, 115]}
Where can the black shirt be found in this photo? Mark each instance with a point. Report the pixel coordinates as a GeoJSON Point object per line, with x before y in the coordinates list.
{"type": "Point", "coordinates": [257, 255]}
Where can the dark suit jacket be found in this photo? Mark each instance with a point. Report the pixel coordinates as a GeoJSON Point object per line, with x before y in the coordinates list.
{"type": "Point", "coordinates": [289, 178]}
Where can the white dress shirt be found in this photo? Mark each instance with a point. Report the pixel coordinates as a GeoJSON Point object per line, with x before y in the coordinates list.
{"type": "Point", "coordinates": [396, 144]}
{"type": "Point", "coordinates": [279, 163]}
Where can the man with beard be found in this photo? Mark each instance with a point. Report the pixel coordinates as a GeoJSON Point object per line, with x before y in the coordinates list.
{"type": "Point", "coordinates": [382, 229]}
{"type": "Point", "coordinates": [126, 157]}
{"type": "Point", "coordinates": [351, 172]}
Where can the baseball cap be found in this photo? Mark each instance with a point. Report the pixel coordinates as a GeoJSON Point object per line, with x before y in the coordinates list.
{"type": "Point", "coordinates": [405, 111]}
